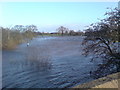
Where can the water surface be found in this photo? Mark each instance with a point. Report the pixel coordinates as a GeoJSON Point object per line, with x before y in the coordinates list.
{"type": "Point", "coordinates": [49, 62]}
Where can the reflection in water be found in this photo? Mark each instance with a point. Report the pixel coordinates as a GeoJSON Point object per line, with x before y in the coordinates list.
{"type": "Point", "coordinates": [53, 62]}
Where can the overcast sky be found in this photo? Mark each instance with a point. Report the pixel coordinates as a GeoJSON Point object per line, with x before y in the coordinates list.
{"type": "Point", "coordinates": [50, 15]}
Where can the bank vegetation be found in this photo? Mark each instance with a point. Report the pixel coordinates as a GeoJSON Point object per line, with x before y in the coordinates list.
{"type": "Point", "coordinates": [102, 39]}
{"type": "Point", "coordinates": [17, 34]}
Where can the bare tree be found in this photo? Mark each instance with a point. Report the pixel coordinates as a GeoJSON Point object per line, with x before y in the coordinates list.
{"type": "Point", "coordinates": [62, 30]}
{"type": "Point", "coordinates": [102, 39]}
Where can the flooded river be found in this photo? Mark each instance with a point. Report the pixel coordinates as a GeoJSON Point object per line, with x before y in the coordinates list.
{"type": "Point", "coordinates": [48, 62]}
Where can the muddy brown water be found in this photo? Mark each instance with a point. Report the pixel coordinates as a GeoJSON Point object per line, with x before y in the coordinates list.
{"type": "Point", "coordinates": [48, 62]}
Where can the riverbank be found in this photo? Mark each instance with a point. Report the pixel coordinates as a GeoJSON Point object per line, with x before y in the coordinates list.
{"type": "Point", "coordinates": [110, 81]}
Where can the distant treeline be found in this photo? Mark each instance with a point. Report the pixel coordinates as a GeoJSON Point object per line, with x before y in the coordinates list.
{"type": "Point", "coordinates": [17, 34]}
{"type": "Point", "coordinates": [13, 36]}
{"type": "Point", "coordinates": [65, 31]}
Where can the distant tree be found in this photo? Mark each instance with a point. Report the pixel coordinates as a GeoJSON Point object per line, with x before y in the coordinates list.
{"type": "Point", "coordinates": [62, 30]}
{"type": "Point", "coordinates": [30, 31]}
{"type": "Point", "coordinates": [31, 28]}
{"type": "Point", "coordinates": [71, 32]}
{"type": "Point", "coordinates": [20, 28]}
{"type": "Point", "coordinates": [102, 39]}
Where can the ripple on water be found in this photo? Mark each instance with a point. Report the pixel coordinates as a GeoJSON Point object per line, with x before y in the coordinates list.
{"type": "Point", "coordinates": [67, 70]}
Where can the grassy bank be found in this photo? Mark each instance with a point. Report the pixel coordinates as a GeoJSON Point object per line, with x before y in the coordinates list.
{"type": "Point", "coordinates": [105, 82]}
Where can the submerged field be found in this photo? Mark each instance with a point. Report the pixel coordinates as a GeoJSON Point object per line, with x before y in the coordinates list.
{"type": "Point", "coordinates": [48, 62]}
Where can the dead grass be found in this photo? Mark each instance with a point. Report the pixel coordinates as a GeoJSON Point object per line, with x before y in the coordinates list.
{"type": "Point", "coordinates": [36, 57]}
{"type": "Point", "coordinates": [9, 45]}
{"type": "Point", "coordinates": [110, 81]}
